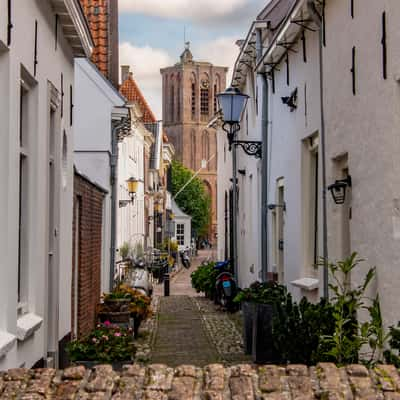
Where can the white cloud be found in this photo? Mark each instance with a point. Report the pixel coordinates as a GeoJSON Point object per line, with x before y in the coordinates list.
{"type": "Point", "coordinates": [184, 9]}
{"type": "Point", "coordinates": [145, 63]}
{"type": "Point", "coordinates": [221, 51]}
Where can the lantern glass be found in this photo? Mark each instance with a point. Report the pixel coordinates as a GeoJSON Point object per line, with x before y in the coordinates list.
{"type": "Point", "coordinates": [338, 190]}
{"type": "Point", "coordinates": [232, 103]}
{"type": "Point", "coordinates": [133, 185]}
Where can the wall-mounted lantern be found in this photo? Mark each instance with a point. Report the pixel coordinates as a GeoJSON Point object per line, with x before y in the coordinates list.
{"type": "Point", "coordinates": [338, 190]}
{"type": "Point", "coordinates": [233, 102]}
{"type": "Point", "coordinates": [291, 101]}
{"type": "Point", "coordinates": [133, 185]}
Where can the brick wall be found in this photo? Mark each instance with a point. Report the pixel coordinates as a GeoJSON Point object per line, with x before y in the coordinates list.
{"type": "Point", "coordinates": [87, 249]}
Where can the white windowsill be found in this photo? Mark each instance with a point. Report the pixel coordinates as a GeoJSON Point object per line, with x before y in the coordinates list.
{"type": "Point", "coordinates": [27, 325]}
{"type": "Point", "coordinates": [306, 283]}
{"type": "Point", "coordinates": [7, 341]}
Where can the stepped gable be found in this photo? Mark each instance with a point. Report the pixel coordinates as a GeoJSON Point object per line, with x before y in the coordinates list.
{"type": "Point", "coordinates": [239, 382]}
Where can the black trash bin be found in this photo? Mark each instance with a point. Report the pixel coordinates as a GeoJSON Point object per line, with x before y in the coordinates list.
{"type": "Point", "coordinates": [248, 314]}
{"type": "Point", "coordinates": [263, 351]}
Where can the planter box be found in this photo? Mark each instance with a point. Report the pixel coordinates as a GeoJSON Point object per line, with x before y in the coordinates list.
{"type": "Point", "coordinates": [117, 304]}
{"type": "Point", "coordinates": [263, 350]}
{"type": "Point", "coordinates": [248, 315]}
{"type": "Point", "coordinates": [117, 366]}
{"type": "Point", "coordinates": [115, 317]}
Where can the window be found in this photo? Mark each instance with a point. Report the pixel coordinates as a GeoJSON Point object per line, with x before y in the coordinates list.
{"type": "Point", "coordinates": [215, 99]}
{"type": "Point", "coordinates": [311, 203]}
{"type": "Point", "coordinates": [193, 100]}
{"type": "Point", "coordinates": [180, 234]}
{"type": "Point", "coordinates": [204, 108]}
{"type": "Point", "coordinates": [172, 93]}
{"type": "Point", "coordinates": [24, 159]}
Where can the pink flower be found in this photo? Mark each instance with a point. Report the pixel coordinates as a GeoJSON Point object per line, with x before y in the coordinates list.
{"type": "Point", "coordinates": [107, 323]}
{"type": "Point", "coordinates": [105, 337]}
{"type": "Point", "coordinates": [94, 340]}
{"type": "Point", "coordinates": [117, 334]}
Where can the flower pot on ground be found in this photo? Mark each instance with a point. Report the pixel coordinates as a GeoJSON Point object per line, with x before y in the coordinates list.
{"type": "Point", "coordinates": [115, 317]}
{"type": "Point", "coordinates": [106, 344]}
{"type": "Point", "coordinates": [248, 314]}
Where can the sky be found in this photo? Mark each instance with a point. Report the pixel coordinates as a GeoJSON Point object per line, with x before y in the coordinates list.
{"type": "Point", "coordinates": [152, 36]}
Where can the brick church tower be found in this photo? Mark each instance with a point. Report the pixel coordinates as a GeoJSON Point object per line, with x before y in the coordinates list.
{"type": "Point", "coordinates": [189, 102]}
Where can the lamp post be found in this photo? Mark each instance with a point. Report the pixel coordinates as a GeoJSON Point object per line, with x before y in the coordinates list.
{"type": "Point", "coordinates": [233, 103]}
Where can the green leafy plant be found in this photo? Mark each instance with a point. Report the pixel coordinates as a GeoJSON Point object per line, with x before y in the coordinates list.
{"type": "Point", "coordinates": [374, 333]}
{"type": "Point", "coordinates": [392, 355]}
{"type": "Point", "coordinates": [345, 343]}
{"type": "Point", "coordinates": [107, 343]}
{"type": "Point", "coordinates": [296, 328]}
{"type": "Point", "coordinates": [124, 250]}
{"type": "Point", "coordinates": [203, 279]}
{"type": "Point", "coordinates": [194, 200]}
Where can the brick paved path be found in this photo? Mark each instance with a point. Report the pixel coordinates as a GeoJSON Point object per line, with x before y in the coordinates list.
{"type": "Point", "coordinates": [191, 329]}
{"type": "Point", "coordinates": [181, 337]}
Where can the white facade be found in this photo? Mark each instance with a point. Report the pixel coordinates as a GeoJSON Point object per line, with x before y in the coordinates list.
{"type": "Point", "coordinates": [131, 215]}
{"type": "Point", "coordinates": [362, 132]}
{"type": "Point", "coordinates": [359, 82]}
{"type": "Point", "coordinates": [95, 101]}
{"type": "Point", "coordinates": [36, 176]}
{"type": "Point", "coordinates": [183, 227]}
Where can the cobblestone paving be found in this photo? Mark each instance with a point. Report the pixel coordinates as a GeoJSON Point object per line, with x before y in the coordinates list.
{"type": "Point", "coordinates": [181, 336]}
{"type": "Point", "coordinates": [222, 331]}
{"type": "Point", "coordinates": [147, 333]}
{"type": "Point", "coordinates": [192, 328]}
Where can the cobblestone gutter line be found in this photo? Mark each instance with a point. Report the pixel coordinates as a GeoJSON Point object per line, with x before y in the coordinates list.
{"type": "Point", "coordinates": [213, 382]}
{"type": "Point", "coordinates": [147, 334]}
{"type": "Point", "coordinates": [222, 332]}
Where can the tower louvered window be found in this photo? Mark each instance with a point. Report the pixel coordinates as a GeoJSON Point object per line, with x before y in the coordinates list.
{"type": "Point", "coordinates": [193, 100]}
{"type": "Point", "coordinates": [204, 108]}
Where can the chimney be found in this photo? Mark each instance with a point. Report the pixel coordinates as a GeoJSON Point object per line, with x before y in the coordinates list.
{"type": "Point", "coordinates": [124, 73]}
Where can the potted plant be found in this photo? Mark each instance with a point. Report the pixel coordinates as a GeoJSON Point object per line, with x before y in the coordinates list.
{"type": "Point", "coordinates": [139, 306]}
{"type": "Point", "coordinates": [204, 278]}
{"type": "Point", "coordinates": [106, 344]}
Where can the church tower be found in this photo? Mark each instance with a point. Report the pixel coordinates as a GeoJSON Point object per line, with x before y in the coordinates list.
{"type": "Point", "coordinates": [189, 102]}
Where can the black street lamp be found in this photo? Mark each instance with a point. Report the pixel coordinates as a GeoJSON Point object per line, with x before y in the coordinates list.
{"type": "Point", "coordinates": [233, 103]}
{"type": "Point", "coordinates": [338, 190]}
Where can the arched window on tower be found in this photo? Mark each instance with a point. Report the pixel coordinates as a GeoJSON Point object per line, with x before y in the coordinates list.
{"type": "Point", "coordinates": [172, 99]}
{"type": "Point", "coordinates": [204, 97]}
{"type": "Point", "coordinates": [217, 89]}
{"type": "Point", "coordinates": [193, 97]}
{"type": "Point", "coordinates": [205, 147]}
{"type": "Point", "coordinates": [178, 98]}
{"type": "Point", "coordinates": [193, 149]}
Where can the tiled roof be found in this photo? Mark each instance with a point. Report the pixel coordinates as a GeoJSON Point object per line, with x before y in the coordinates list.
{"type": "Point", "coordinates": [130, 90]}
{"type": "Point", "coordinates": [96, 12]}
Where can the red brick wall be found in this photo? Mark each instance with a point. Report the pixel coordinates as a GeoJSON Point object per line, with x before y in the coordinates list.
{"type": "Point", "coordinates": [88, 203]}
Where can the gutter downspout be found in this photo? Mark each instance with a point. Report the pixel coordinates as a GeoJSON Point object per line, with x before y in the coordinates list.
{"type": "Point", "coordinates": [114, 199]}
{"type": "Point", "coordinates": [318, 20]}
{"type": "Point", "coordinates": [264, 169]}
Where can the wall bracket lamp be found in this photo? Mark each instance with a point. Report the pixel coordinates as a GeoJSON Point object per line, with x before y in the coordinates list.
{"type": "Point", "coordinates": [338, 189]}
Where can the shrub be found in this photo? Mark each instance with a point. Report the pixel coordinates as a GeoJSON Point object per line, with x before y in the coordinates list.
{"type": "Point", "coordinates": [107, 343]}
{"type": "Point", "coordinates": [297, 329]}
{"type": "Point", "coordinates": [203, 279]}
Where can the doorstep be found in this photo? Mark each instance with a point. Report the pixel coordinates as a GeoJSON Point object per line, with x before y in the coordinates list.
{"type": "Point", "coordinates": [27, 325]}
{"type": "Point", "coordinates": [7, 341]}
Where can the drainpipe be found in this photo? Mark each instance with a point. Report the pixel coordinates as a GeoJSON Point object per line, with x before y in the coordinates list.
{"type": "Point", "coordinates": [318, 20]}
{"type": "Point", "coordinates": [117, 126]}
{"type": "Point", "coordinates": [114, 199]}
{"type": "Point", "coordinates": [264, 168]}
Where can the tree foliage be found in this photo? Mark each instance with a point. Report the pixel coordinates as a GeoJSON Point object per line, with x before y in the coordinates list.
{"type": "Point", "coordinates": [194, 200]}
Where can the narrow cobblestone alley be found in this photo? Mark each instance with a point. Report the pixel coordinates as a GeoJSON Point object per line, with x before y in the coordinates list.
{"type": "Point", "coordinates": [190, 329]}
